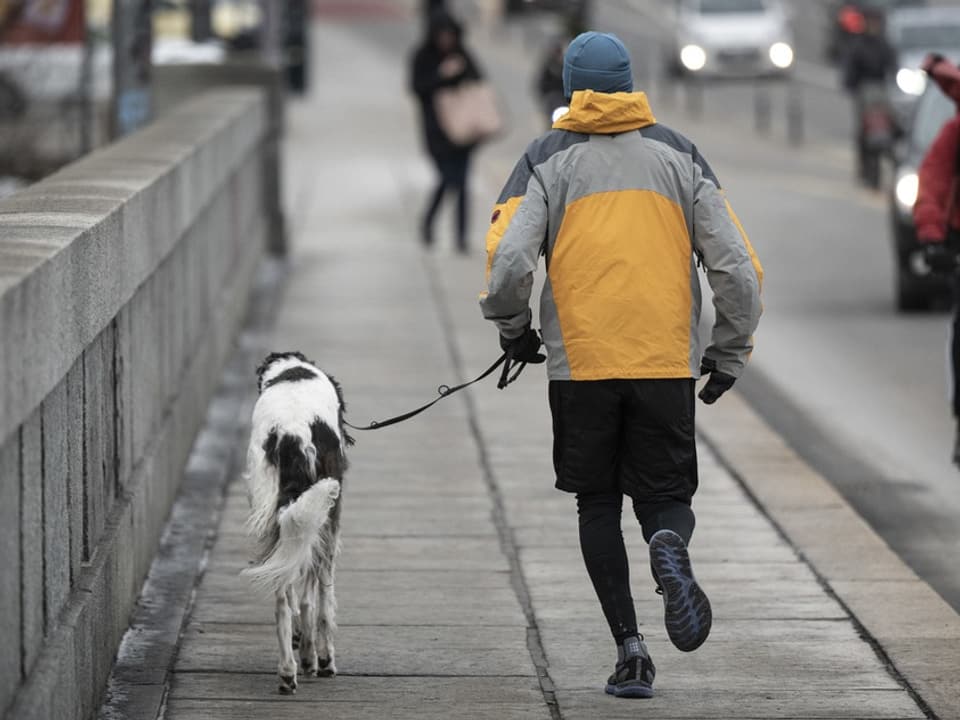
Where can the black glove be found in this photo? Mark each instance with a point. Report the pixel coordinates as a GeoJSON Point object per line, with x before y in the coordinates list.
{"type": "Point", "coordinates": [941, 258]}
{"type": "Point", "coordinates": [524, 347]}
{"type": "Point", "coordinates": [717, 384]}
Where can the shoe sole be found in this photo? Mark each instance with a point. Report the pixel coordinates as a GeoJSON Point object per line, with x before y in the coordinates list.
{"type": "Point", "coordinates": [634, 689]}
{"type": "Point", "coordinates": [687, 613]}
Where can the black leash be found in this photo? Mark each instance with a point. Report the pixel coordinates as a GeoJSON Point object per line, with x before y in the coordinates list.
{"type": "Point", "coordinates": [446, 391]}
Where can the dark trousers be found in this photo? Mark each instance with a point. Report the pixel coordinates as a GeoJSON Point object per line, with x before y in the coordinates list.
{"type": "Point", "coordinates": [605, 555]}
{"type": "Point", "coordinates": [616, 438]}
{"type": "Point", "coordinates": [452, 168]}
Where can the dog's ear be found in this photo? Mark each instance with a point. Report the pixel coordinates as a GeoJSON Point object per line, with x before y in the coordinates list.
{"type": "Point", "coordinates": [347, 438]}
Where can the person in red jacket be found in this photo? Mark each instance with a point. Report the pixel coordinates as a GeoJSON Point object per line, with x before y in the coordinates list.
{"type": "Point", "coordinates": [936, 213]}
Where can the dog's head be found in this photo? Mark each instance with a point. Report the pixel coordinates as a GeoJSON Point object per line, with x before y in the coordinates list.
{"type": "Point", "coordinates": [272, 359]}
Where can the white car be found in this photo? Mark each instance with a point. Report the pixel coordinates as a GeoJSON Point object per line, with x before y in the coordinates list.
{"type": "Point", "coordinates": [731, 38]}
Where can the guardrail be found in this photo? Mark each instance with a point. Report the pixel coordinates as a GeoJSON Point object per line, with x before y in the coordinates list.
{"type": "Point", "coordinates": [123, 279]}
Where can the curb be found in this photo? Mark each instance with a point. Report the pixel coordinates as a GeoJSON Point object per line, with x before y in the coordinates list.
{"type": "Point", "coordinates": [913, 630]}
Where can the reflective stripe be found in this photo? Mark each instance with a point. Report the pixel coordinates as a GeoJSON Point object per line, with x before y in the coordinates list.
{"type": "Point", "coordinates": [746, 241]}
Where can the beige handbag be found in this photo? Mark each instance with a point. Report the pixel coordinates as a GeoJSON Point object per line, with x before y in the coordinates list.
{"type": "Point", "coordinates": [468, 112]}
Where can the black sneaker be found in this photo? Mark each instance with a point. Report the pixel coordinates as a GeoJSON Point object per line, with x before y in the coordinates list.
{"type": "Point", "coordinates": [633, 676]}
{"type": "Point", "coordinates": [687, 613]}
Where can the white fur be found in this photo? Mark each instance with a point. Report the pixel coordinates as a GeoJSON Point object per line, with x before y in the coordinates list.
{"type": "Point", "coordinates": [302, 538]}
{"type": "Point", "coordinates": [297, 545]}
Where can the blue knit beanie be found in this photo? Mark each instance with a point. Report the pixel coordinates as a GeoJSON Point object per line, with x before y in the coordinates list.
{"type": "Point", "coordinates": [596, 61]}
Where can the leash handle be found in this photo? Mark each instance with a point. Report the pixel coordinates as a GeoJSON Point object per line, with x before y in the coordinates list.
{"type": "Point", "coordinates": [445, 391]}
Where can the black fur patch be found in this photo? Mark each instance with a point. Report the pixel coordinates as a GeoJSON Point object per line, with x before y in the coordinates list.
{"type": "Point", "coordinates": [285, 453]}
{"type": "Point", "coordinates": [343, 407]}
{"type": "Point", "coordinates": [331, 462]}
{"type": "Point", "coordinates": [294, 374]}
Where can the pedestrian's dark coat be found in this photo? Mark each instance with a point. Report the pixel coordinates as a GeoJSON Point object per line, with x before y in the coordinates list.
{"type": "Point", "coordinates": [426, 80]}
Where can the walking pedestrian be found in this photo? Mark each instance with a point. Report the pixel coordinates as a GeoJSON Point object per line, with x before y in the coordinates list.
{"type": "Point", "coordinates": [936, 213]}
{"type": "Point", "coordinates": [442, 62]}
{"type": "Point", "coordinates": [868, 65]}
{"type": "Point", "coordinates": [623, 209]}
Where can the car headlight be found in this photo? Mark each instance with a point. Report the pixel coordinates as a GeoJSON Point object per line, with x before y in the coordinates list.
{"type": "Point", "coordinates": [693, 57]}
{"type": "Point", "coordinates": [906, 190]}
{"type": "Point", "coordinates": [911, 81]}
{"type": "Point", "coordinates": [781, 55]}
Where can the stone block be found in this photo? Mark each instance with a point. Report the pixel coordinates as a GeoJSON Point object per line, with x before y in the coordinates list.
{"type": "Point", "coordinates": [31, 541]}
{"type": "Point", "coordinates": [56, 525]}
{"type": "Point", "coordinates": [75, 483]}
{"type": "Point", "coordinates": [94, 461]}
{"type": "Point", "coordinates": [10, 577]}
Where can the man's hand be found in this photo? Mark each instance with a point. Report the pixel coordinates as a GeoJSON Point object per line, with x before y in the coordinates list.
{"type": "Point", "coordinates": [941, 258]}
{"type": "Point", "coordinates": [524, 347]}
{"type": "Point", "coordinates": [717, 384]}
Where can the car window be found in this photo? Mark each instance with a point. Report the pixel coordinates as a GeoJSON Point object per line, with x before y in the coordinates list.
{"type": "Point", "coordinates": [719, 7]}
{"type": "Point", "coordinates": [933, 110]}
{"type": "Point", "coordinates": [921, 37]}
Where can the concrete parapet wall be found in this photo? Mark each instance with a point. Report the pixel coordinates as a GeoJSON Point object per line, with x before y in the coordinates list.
{"type": "Point", "coordinates": [123, 279]}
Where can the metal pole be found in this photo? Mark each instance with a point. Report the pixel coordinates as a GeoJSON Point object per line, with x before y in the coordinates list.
{"type": "Point", "coordinates": [761, 107]}
{"type": "Point", "coordinates": [271, 32]}
{"type": "Point", "coordinates": [132, 44]}
{"type": "Point", "coordinates": [86, 90]}
{"type": "Point", "coordinates": [693, 89]}
{"type": "Point", "coordinates": [794, 112]}
{"type": "Point", "coordinates": [201, 27]}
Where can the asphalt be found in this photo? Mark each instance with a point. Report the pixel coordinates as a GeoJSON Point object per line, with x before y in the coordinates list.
{"type": "Point", "coordinates": [460, 587]}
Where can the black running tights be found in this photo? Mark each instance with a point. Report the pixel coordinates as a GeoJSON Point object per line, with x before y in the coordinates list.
{"type": "Point", "coordinates": [601, 542]}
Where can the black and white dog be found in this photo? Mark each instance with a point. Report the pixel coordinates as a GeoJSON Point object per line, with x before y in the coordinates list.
{"type": "Point", "coordinates": [295, 467]}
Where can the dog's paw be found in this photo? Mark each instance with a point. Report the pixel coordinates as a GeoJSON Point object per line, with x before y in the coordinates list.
{"type": "Point", "coordinates": [327, 667]}
{"type": "Point", "coordinates": [308, 669]}
{"type": "Point", "coordinates": [288, 684]}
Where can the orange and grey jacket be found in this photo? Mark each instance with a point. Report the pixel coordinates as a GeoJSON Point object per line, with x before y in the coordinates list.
{"type": "Point", "coordinates": [621, 207]}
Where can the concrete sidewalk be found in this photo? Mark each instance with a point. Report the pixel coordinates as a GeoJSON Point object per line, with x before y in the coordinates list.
{"type": "Point", "coordinates": [461, 589]}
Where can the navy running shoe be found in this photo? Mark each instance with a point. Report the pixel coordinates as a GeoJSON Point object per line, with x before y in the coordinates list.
{"type": "Point", "coordinates": [633, 676]}
{"type": "Point", "coordinates": [687, 613]}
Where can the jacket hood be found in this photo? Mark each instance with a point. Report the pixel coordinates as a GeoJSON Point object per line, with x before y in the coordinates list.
{"type": "Point", "coordinates": [597, 113]}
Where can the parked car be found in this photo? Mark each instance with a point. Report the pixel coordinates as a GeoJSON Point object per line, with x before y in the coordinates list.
{"type": "Point", "coordinates": [916, 288]}
{"type": "Point", "coordinates": [913, 33]}
{"type": "Point", "coordinates": [845, 21]}
{"type": "Point", "coordinates": [730, 38]}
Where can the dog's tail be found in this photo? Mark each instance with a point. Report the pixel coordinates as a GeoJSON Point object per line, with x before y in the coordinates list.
{"type": "Point", "coordinates": [306, 508]}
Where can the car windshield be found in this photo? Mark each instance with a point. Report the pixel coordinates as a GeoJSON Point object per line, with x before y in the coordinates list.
{"type": "Point", "coordinates": [921, 37]}
{"type": "Point", "coordinates": [933, 110]}
{"type": "Point", "coordinates": [722, 7]}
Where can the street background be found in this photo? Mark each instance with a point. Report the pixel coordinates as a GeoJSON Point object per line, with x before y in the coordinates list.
{"type": "Point", "coordinates": [461, 589]}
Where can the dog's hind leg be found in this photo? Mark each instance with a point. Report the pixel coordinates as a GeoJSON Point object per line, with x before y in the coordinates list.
{"type": "Point", "coordinates": [327, 609]}
{"type": "Point", "coordinates": [308, 624]}
{"type": "Point", "coordinates": [287, 668]}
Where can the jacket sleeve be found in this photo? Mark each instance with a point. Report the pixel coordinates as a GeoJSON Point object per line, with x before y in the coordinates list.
{"type": "Point", "coordinates": [936, 178]}
{"type": "Point", "coordinates": [517, 230]}
{"type": "Point", "coordinates": [733, 271]}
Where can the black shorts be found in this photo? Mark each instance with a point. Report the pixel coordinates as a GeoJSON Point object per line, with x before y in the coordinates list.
{"type": "Point", "coordinates": [630, 436]}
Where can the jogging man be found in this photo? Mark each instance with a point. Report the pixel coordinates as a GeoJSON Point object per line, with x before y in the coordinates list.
{"type": "Point", "coordinates": [623, 210]}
